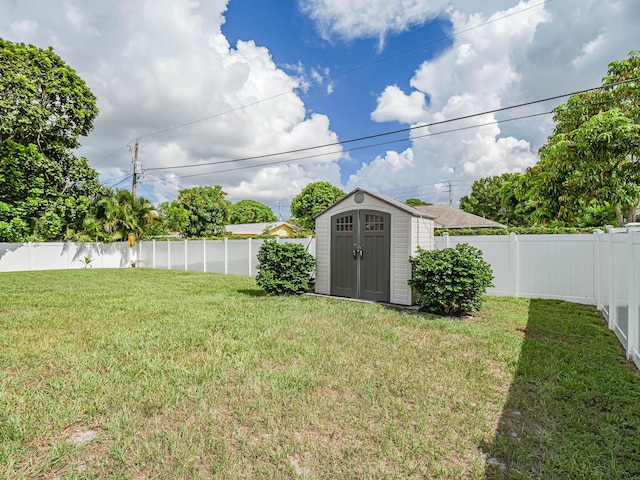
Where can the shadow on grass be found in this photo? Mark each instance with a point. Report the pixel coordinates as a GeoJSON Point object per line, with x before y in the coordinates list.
{"type": "Point", "coordinates": [252, 292]}
{"type": "Point", "coordinates": [573, 409]}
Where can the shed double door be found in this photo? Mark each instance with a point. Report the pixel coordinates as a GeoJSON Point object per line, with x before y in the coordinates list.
{"type": "Point", "coordinates": [360, 255]}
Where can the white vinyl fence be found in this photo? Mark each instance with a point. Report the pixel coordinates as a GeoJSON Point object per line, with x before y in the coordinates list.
{"type": "Point", "coordinates": [17, 257]}
{"type": "Point", "coordinates": [237, 257]}
{"type": "Point", "coordinates": [602, 269]}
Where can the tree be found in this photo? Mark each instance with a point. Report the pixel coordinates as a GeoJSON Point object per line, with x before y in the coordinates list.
{"type": "Point", "coordinates": [499, 198]}
{"type": "Point", "coordinates": [44, 107]}
{"type": "Point", "coordinates": [174, 216]}
{"type": "Point", "coordinates": [126, 217]}
{"type": "Point", "coordinates": [313, 199]}
{"type": "Point", "coordinates": [594, 152]}
{"type": "Point", "coordinates": [416, 202]}
{"type": "Point", "coordinates": [208, 210]}
{"type": "Point", "coordinates": [251, 211]}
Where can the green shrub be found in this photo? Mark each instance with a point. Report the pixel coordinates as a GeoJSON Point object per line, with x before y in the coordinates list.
{"type": "Point", "coordinates": [535, 230]}
{"type": "Point", "coordinates": [284, 268]}
{"type": "Point", "coordinates": [451, 281]}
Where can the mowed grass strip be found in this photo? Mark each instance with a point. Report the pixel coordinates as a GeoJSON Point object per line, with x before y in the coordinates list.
{"type": "Point", "coordinates": [172, 374]}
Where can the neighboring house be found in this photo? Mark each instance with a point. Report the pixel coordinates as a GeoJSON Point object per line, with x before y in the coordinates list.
{"type": "Point", "coordinates": [447, 217]}
{"type": "Point", "coordinates": [277, 229]}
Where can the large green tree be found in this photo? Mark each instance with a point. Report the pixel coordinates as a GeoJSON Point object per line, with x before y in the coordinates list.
{"type": "Point", "coordinates": [312, 200]}
{"type": "Point", "coordinates": [251, 211]}
{"type": "Point", "coordinates": [499, 198]}
{"type": "Point", "coordinates": [174, 216]}
{"type": "Point", "coordinates": [594, 152]}
{"type": "Point", "coordinates": [208, 210]}
{"type": "Point", "coordinates": [45, 107]}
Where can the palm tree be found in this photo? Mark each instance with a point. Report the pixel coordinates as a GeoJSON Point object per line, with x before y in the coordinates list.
{"type": "Point", "coordinates": [127, 218]}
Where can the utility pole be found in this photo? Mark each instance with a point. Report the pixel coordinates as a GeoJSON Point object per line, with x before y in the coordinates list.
{"type": "Point", "coordinates": [279, 210]}
{"type": "Point", "coordinates": [137, 170]}
{"type": "Point", "coordinates": [450, 196]}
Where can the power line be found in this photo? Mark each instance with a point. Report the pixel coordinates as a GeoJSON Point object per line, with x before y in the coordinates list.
{"type": "Point", "coordinates": [289, 160]}
{"type": "Point", "coordinates": [110, 155]}
{"type": "Point", "coordinates": [346, 72]}
{"type": "Point", "coordinates": [394, 132]}
{"type": "Point", "coordinates": [124, 179]}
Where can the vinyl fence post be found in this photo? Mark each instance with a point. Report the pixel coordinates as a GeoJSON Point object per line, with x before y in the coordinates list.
{"type": "Point", "coordinates": [612, 283]}
{"type": "Point", "coordinates": [29, 254]}
{"type": "Point", "coordinates": [634, 329]}
{"type": "Point", "coordinates": [249, 256]}
{"type": "Point", "coordinates": [597, 268]}
{"type": "Point", "coordinates": [168, 254]}
{"type": "Point", "coordinates": [226, 256]}
{"type": "Point", "coordinates": [513, 252]}
{"type": "Point", "coordinates": [204, 255]}
{"type": "Point", "coordinates": [445, 235]}
{"type": "Point", "coordinates": [186, 245]}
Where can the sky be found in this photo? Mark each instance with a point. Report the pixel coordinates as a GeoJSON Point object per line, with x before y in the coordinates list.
{"type": "Point", "coordinates": [264, 98]}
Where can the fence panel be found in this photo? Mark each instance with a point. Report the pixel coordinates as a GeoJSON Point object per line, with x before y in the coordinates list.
{"type": "Point", "coordinates": [255, 247]}
{"type": "Point", "coordinates": [215, 256]}
{"type": "Point", "coordinates": [15, 257]}
{"type": "Point", "coordinates": [557, 266]}
{"type": "Point", "coordinates": [195, 256]}
{"type": "Point", "coordinates": [161, 256]}
{"type": "Point", "coordinates": [497, 251]}
{"type": "Point", "coordinates": [238, 257]}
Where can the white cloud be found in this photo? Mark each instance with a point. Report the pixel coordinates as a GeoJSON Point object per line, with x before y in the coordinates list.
{"type": "Point", "coordinates": [471, 77]}
{"type": "Point", "coordinates": [394, 105]}
{"type": "Point", "coordinates": [353, 19]}
{"type": "Point", "coordinates": [589, 50]}
{"type": "Point", "coordinates": [23, 28]}
{"type": "Point", "coordinates": [166, 63]}
{"type": "Point", "coordinates": [524, 52]}
{"type": "Point", "coordinates": [77, 20]}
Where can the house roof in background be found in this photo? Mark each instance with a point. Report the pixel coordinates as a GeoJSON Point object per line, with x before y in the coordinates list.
{"type": "Point", "coordinates": [256, 228]}
{"type": "Point", "coordinates": [447, 217]}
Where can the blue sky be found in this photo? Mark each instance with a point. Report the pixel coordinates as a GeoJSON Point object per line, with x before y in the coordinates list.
{"type": "Point", "coordinates": [358, 70]}
{"type": "Point", "coordinates": [160, 64]}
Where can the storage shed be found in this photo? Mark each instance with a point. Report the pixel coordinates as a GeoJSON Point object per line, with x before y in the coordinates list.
{"type": "Point", "coordinates": [363, 245]}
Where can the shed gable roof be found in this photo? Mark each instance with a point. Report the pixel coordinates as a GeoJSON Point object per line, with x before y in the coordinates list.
{"type": "Point", "coordinates": [394, 202]}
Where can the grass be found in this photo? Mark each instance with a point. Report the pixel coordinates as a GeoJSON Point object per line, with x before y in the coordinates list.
{"type": "Point", "coordinates": [187, 375]}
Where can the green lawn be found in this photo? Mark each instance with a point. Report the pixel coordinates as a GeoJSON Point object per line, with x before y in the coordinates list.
{"type": "Point", "coordinates": [187, 375]}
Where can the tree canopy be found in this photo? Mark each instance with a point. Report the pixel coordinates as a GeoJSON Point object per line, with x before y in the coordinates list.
{"type": "Point", "coordinates": [416, 202]}
{"type": "Point", "coordinates": [208, 210]}
{"type": "Point", "coordinates": [498, 198]}
{"type": "Point", "coordinates": [251, 211]}
{"type": "Point", "coordinates": [42, 100]}
{"type": "Point", "coordinates": [312, 200]}
{"type": "Point", "coordinates": [594, 152]}
{"type": "Point", "coordinates": [44, 107]}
